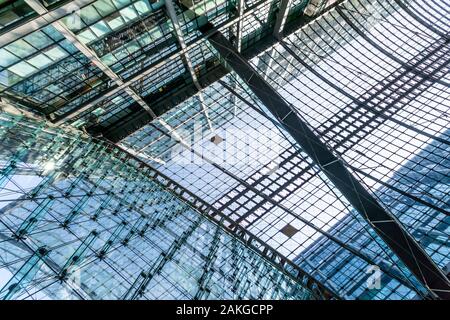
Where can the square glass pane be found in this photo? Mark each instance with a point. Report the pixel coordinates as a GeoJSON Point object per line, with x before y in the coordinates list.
{"type": "Point", "coordinates": [21, 48]}
{"type": "Point", "coordinates": [40, 61]}
{"type": "Point", "coordinates": [53, 88]}
{"type": "Point", "coordinates": [55, 53]}
{"type": "Point", "coordinates": [8, 17]}
{"type": "Point", "coordinates": [7, 58]}
{"type": "Point", "coordinates": [22, 69]}
{"type": "Point", "coordinates": [52, 33]}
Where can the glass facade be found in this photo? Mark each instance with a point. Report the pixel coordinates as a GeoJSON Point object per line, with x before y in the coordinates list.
{"type": "Point", "coordinates": [431, 235]}
{"type": "Point", "coordinates": [155, 169]}
{"type": "Point", "coordinates": [80, 219]}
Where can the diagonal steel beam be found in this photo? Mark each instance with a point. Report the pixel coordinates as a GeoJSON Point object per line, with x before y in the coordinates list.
{"type": "Point", "coordinates": [84, 49]}
{"type": "Point", "coordinates": [384, 223]}
{"type": "Point", "coordinates": [176, 55]}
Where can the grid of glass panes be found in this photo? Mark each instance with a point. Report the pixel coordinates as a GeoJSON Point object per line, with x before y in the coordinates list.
{"type": "Point", "coordinates": [14, 13]}
{"type": "Point", "coordinates": [377, 100]}
{"type": "Point", "coordinates": [82, 220]}
{"type": "Point", "coordinates": [234, 175]}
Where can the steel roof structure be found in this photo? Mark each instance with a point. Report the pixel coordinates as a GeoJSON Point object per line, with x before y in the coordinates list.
{"type": "Point", "coordinates": [307, 141]}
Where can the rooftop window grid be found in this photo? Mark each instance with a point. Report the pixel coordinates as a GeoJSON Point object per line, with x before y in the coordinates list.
{"type": "Point", "coordinates": [368, 148]}
{"type": "Point", "coordinates": [215, 11]}
{"type": "Point", "coordinates": [324, 253]}
{"type": "Point", "coordinates": [172, 69]}
{"type": "Point", "coordinates": [431, 14]}
{"type": "Point", "coordinates": [402, 45]}
{"type": "Point", "coordinates": [97, 20]}
{"type": "Point", "coordinates": [195, 180]}
{"type": "Point", "coordinates": [90, 261]}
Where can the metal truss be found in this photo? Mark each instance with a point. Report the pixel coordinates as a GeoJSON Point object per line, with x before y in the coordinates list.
{"type": "Point", "coordinates": [384, 223]}
{"type": "Point", "coordinates": [69, 35]}
{"type": "Point", "coordinates": [276, 259]}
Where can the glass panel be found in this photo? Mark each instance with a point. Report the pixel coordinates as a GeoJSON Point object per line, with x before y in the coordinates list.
{"type": "Point", "coordinates": [39, 61]}
{"type": "Point", "coordinates": [7, 58]}
{"type": "Point", "coordinates": [22, 69]}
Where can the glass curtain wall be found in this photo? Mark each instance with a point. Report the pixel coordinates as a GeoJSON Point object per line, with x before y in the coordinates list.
{"type": "Point", "coordinates": [81, 219]}
{"type": "Point", "coordinates": [371, 79]}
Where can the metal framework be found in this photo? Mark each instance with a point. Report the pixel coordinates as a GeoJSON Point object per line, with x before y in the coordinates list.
{"type": "Point", "coordinates": [329, 153]}
{"type": "Point", "coordinates": [384, 223]}
{"type": "Point", "coordinates": [42, 20]}
{"type": "Point", "coordinates": [40, 9]}
{"type": "Point", "coordinates": [281, 18]}
{"type": "Point", "coordinates": [241, 233]}
{"type": "Point", "coordinates": [141, 224]}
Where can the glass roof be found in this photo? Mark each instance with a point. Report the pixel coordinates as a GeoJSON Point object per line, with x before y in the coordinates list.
{"type": "Point", "coordinates": [369, 78]}
{"type": "Point", "coordinates": [350, 78]}
{"type": "Point", "coordinates": [134, 39]}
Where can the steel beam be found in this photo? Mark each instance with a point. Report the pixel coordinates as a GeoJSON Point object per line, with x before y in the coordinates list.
{"type": "Point", "coordinates": [187, 59]}
{"type": "Point", "coordinates": [285, 5]}
{"type": "Point", "coordinates": [84, 49]}
{"type": "Point", "coordinates": [275, 258]}
{"type": "Point", "coordinates": [384, 223]}
{"type": "Point", "coordinates": [42, 20]}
